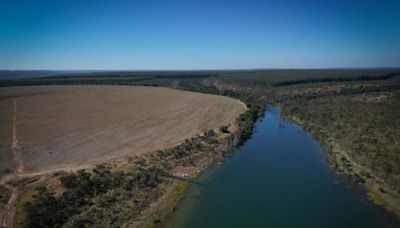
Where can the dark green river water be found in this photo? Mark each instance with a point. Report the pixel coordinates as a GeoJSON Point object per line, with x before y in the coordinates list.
{"type": "Point", "coordinates": [279, 178]}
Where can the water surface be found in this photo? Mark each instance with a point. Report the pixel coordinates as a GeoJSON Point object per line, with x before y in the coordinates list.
{"type": "Point", "coordinates": [279, 178]}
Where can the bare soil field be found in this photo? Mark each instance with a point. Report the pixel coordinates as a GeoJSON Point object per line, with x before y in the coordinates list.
{"type": "Point", "coordinates": [55, 127]}
{"type": "Point", "coordinates": [6, 115]}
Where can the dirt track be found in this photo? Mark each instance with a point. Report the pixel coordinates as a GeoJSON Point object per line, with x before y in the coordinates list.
{"type": "Point", "coordinates": [63, 126]}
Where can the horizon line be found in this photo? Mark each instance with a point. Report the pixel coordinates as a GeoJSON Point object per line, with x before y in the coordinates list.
{"type": "Point", "coordinates": [211, 69]}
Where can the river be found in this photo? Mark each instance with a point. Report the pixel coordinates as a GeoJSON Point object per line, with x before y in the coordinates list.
{"type": "Point", "coordinates": [279, 178]}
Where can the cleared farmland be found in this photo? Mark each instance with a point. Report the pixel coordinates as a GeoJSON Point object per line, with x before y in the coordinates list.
{"type": "Point", "coordinates": [64, 126]}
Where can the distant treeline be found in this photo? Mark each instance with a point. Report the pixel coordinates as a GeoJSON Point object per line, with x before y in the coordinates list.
{"type": "Point", "coordinates": [126, 78]}
{"type": "Point", "coordinates": [133, 76]}
{"type": "Point", "coordinates": [96, 80]}
{"type": "Point", "coordinates": [257, 82]}
{"type": "Point", "coordinates": [342, 92]}
{"type": "Point", "coordinates": [338, 79]}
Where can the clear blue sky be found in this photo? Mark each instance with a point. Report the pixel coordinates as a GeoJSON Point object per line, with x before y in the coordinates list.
{"type": "Point", "coordinates": [201, 34]}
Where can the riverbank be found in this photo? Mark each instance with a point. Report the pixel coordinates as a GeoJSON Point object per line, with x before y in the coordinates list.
{"type": "Point", "coordinates": [379, 192]}
{"type": "Point", "coordinates": [269, 179]}
{"type": "Point", "coordinates": [227, 140]}
{"type": "Point", "coordinates": [338, 159]}
{"type": "Point", "coordinates": [144, 189]}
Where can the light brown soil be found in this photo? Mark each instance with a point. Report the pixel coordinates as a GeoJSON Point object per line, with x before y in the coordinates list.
{"type": "Point", "coordinates": [65, 126]}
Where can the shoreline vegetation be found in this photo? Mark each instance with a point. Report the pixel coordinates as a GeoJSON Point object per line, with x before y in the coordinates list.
{"type": "Point", "coordinates": [344, 156]}
{"type": "Point", "coordinates": [161, 178]}
{"type": "Point", "coordinates": [378, 191]}
{"type": "Point", "coordinates": [152, 184]}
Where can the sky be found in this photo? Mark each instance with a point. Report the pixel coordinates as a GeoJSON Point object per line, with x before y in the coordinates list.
{"type": "Point", "coordinates": [202, 34]}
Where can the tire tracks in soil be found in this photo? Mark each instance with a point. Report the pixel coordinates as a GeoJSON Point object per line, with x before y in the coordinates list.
{"type": "Point", "coordinates": [7, 214]}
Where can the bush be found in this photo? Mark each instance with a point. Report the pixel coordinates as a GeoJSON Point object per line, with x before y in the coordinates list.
{"type": "Point", "coordinates": [224, 129]}
{"type": "Point", "coordinates": [82, 190]}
